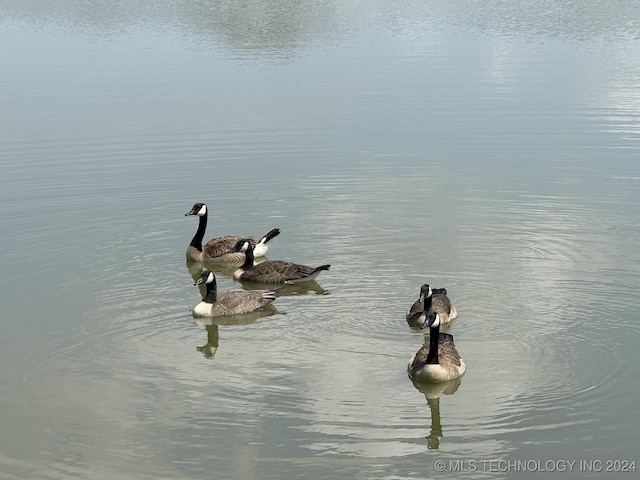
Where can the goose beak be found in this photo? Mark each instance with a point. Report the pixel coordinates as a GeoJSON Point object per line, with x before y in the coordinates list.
{"type": "Point", "coordinates": [199, 281]}
{"type": "Point", "coordinates": [190, 212]}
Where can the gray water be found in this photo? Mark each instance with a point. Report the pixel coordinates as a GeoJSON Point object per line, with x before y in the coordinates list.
{"type": "Point", "coordinates": [491, 148]}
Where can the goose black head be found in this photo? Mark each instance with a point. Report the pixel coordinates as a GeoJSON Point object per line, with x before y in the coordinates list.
{"type": "Point", "coordinates": [241, 245]}
{"type": "Point", "coordinates": [206, 276]}
{"type": "Point", "coordinates": [199, 209]}
{"type": "Point", "coordinates": [431, 319]}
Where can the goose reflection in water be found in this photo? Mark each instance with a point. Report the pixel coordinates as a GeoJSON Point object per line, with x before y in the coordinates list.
{"type": "Point", "coordinates": [432, 392]}
{"type": "Point", "coordinates": [211, 325]}
{"type": "Point", "coordinates": [310, 286]}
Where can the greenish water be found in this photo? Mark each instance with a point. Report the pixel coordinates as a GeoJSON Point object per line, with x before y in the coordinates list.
{"type": "Point", "coordinates": [486, 147]}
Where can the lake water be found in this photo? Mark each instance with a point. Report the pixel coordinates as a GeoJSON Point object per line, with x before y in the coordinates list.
{"type": "Point", "coordinates": [492, 148]}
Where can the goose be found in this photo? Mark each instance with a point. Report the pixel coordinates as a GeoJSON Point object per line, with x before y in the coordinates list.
{"type": "Point", "coordinates": [437, 361]}
{"type": "Point", "coordinates": [215, 250]}
{"type": "Point", "coordinates": [231, 302]}
{"type": "Point", "coordinates": [271, 271]}
{"type": "Point", "coordinates": [439, 302]}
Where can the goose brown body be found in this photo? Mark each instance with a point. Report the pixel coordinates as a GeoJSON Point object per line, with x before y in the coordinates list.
{"type": "Point", "coordinates": [441, 304]}
{"type": "Point", "coordinates": [272, 271]}
{"type": "Point", "coordinates": [231, 302]}
{"type": "Point", "coordinates": [437, 295]}
{"type": "Point", "coordinates": [438, 360]}
{"type": "Point", "coordinates": [216, 250]}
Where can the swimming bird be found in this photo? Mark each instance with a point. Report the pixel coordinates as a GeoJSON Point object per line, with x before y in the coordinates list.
{"type": "Point", "coordinates": [271, 271]}
{"type": "Point", "coordinates": [439, 301]}
{"type": "Point", "coordinates": [215, 250]}
{"type": "Point", "coordinates": [231, 302]}
{"type": "Point", "coordinates": [437, 361]}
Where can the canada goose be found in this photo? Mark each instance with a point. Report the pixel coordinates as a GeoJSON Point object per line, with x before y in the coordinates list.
{"type": "Point", "coordinates": [437, 361]}
{"type": "Point", "coordinates": [215, 250]}
{"type": "Point", "coordinates": [438, 298]}
{"type": "Point", "coordinates": [271, 271]}
{"type": "Point", "coordinates": [231, 302]}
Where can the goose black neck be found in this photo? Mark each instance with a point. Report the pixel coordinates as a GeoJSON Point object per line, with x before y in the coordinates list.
{"type": "Point", "coordinates": [434, 338]}
{"type": "Point", "coordinates": [427, 303]}
{"type": "Point", "coordinates": [248, 257]}
{"type": "Point", "coordinates": [196, 241]}
{"type": "Point", "coordinates": [212, 292]}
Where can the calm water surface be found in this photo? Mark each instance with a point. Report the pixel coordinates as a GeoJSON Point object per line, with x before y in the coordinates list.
{"type": "Point", "coordinates": [488, 147]}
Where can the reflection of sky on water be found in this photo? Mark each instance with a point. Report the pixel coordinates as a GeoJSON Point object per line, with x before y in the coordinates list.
{"type": "Point", "coordinates": [286, 23]}
{"type": "Point", "coordinates": [489, 73]}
